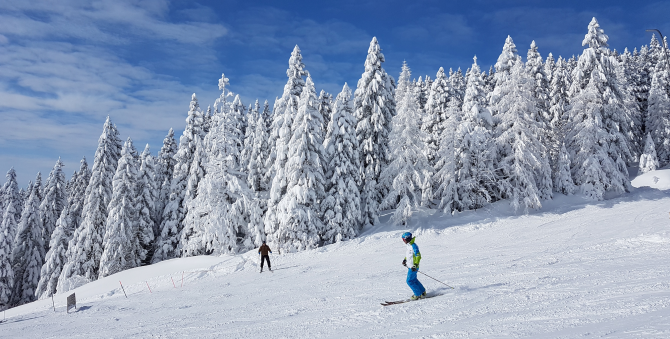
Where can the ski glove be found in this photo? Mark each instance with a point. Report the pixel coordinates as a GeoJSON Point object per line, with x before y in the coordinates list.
{"type": "Point", "coordinates": [414, 269]}
{"type": "Point", "coordinates": [404, 262]}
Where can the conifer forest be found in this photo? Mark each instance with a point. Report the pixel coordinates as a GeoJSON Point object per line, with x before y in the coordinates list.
{"type": "Point", "coordinates": [313, 168]}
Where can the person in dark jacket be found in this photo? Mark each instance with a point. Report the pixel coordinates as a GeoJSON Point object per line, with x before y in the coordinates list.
{"type": "Point", "coordinates": [263, 251]}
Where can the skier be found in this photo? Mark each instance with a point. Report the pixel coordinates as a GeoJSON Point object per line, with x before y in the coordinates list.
{"type": "Point", "coordinates": [263, 251]}
{"type": "Point", "coordinates": [413, 256]}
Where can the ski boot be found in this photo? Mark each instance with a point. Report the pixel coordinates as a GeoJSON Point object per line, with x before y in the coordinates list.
{"type": "Point", "coordinates": [423, 295]}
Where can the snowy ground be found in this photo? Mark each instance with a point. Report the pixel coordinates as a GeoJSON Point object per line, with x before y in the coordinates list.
{"type": "Point", "coordinates": [575, 269]}
{"type": "Point", "coordinates": [655, 179]}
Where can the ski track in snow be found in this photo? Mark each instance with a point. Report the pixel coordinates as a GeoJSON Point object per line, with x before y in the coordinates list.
{"type": "Point", "coordinates": [573, 269]}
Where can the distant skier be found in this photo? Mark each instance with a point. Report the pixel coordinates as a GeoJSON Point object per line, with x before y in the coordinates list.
{"type": "Point", "coordinates": [263, 251]}
{"type": "Point", "coordinates": [413, 256]}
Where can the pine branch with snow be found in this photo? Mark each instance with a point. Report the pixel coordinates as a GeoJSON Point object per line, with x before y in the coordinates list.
{"type": "Point", "coordinates": [342, 214]}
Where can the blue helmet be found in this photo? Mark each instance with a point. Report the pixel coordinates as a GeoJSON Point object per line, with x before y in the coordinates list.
{"type": "Point", "coordinates": [407, 236]}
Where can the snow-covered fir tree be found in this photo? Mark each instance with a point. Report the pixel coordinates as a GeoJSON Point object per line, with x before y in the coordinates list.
{"type": "Point", "coordinates": [249, 135]}
{"type": "Point", "coordinates": [77, 195]}
{"type": "Point", "coordinates": [648, 159]}
{"type": "Point", "coordinates": [196, 171]}
{"type": "Point", "coordinates": [298, 224]}
{"type": "Point", "coordinates": [267, 115]}
{"type": "Point", "coordinates": [145, 203]}
{"type": "Point", "coordinates": [207, 120]}
{"type": "Point", "coordinates": [472, 149]}
{"type": "Point", "coordinates": [489, 80]}
{"type": "Point", "coordinates": [540, 91]}
{"type": "Point", "coordinates": [457, 85]}
{"type": "Point", "coordinates": [28, 251]}
{"type": "Point", "coordinates": [435, 113]}
{"type": "Point", "coordinates": [523, 172]}
{"type": "Point", "coordinates": [409, 172]}
{"type": "Point", "coordinates": [259, 154]}
{"type": "Point", "coordinates": [558, 102]}
{"type": "Point", "coordinates": [425, 91]}
{"type": "Point", "coordinates": [641, 75]}
{"type": "Point", "coordinates": [444, 177]}
{"type": "Point", "coordinates": [563, 182]}
{"type": "Point", "coordinates": [8, 227]}
{"type": "Point", "coordinates": [6, 270]}
{"type": "Point", "coordinates": [629, 77]}
{"type": "Point", "coordinates": [56, 256]}
{"type": "Point", "coordinates": [475, 101]}
{"type": "Point", "coordinates": [183, 180]}
{"type": "Point", "coordinates": [374, 108]}
{"type": "Point", "coordinates": [286, 109]}
{"type": "Point", "coordinates": [121, 245]}
{"type": "Point", "coordinates": [658, 106]}
{"type": "Point", "coordinates": [325, 108]}
{"type": "Point", "coordinates": [40, 188]}
{"type": "Point", "coordinates": [501, 76]}
{"type": "Point", "coordinates": [216, 215]}
{"type": "Point", "coordinates": [592, 168]}
{"type": "Point", "coordinates": [549, 66]}
{"type": "Point", "coordinates": [654, 52]}
{"type": "Point", "coordinates": [85, 248]}
{"type": "Point", "coordinates": [239, 112]}
{"type": "Point", "coordinates": [3, 188]}
{"type": "Point", "coordinates": [598, 140]}
{"type": "Point", "coordinates": [25, 193]}
{"type": "Point", "coordinates": [342, 214]}
{"type": "Point", "coordinates": [53, 203]}
{"type": "Point", "coordinates": [164, 169]}
{"type": "Point", "coordinates": [11, 195]}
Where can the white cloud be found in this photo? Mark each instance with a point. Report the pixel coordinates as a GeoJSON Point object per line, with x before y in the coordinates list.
{"type": "Point", "coordinates": [102, 21]}
{"type": "Point", "coordinates": [66, 65]}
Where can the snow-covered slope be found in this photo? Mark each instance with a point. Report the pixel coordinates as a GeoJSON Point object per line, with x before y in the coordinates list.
{"type": "Point", "coordinates": [576, 268]}
{"type": "Point", "coordinates": [656, 179]}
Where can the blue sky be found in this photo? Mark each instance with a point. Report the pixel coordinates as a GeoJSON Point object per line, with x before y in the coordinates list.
{"type": "Point", "coordinates": [65, 65]}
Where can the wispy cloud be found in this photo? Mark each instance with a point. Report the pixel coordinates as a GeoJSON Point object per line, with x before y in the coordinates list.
{"type": "Point", "coordinates": [103, 21]}
{"type": "Point", "coordinates": [66, 65]}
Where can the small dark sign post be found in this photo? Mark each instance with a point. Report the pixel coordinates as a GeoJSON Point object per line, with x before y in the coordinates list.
{"type": "Point", "coordinates": [71, 302]}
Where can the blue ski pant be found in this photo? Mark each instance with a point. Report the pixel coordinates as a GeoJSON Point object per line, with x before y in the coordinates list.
{"type": "Point", "coordinates": [414, 283]}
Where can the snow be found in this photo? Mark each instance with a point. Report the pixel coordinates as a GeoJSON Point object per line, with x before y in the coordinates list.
{"type": "Point", "coordinates": [575, 268]}
{"type": "Point", "coordinates": [659, 179]}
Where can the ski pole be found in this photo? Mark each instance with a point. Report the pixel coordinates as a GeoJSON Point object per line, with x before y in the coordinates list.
{"type": "Point", "coordinates": [124, 290]}
{"type": "Point", "coordinates": [435, 279]}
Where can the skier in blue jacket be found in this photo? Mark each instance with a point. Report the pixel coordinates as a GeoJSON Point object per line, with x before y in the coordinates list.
{"type": "Point", "coordinates": [413, 257]}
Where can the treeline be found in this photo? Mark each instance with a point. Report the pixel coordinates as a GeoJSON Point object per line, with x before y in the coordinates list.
{"type": "Point", "coordinates": [317, 169]}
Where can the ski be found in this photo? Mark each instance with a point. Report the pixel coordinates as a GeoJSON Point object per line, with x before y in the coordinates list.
{"type": "Point", "coordinates": [388, 303]}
